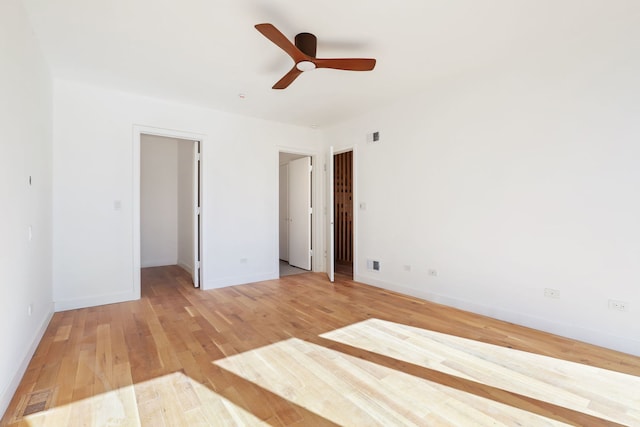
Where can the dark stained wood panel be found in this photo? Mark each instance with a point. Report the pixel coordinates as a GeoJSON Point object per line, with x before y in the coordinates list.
{"type": "Point", "coordinates": [343, 208]}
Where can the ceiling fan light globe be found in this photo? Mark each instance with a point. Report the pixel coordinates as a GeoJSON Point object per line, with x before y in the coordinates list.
{"type": "Point", "coordinates": [305, 66]}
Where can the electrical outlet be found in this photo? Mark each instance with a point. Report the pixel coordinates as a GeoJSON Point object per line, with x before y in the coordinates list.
{"type": "Point", "coordinates": [243, 260]}
{"type": "Point", "coordinates": [617, 305]}
{"type": "Point", "coordinates": [406, 267]}
{"type": "Point", "coordinates": [30, 309]}
{"type": "Point", "coordinates": [551, 293]}
{"type": "Point", "coordinates": [432, 272]}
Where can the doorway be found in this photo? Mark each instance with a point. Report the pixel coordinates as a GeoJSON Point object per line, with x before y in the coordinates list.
{"type": "Point", "coordinates": [343, 213]}
{"type": "Point", "coordinates": [295, 213]}
{"type": "Point", "coordinates": [170, 225]}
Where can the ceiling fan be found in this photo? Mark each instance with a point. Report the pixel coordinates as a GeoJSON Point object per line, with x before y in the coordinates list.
{"type": "Point", "coordinates": [303, 53]}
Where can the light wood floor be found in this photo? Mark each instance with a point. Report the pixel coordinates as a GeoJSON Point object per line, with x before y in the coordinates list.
{"type": "Point", "coordinates": [301, 351]}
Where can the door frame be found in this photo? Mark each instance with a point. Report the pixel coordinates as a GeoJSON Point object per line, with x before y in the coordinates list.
{"type": "Point", "coordinates": [138, 131]}
{"type": "Point", "coordinates": [317, 262]}
{"type": "Point", "coordinates": [356, 203]}
{"type": "Point", "coordinates": [329, 215]}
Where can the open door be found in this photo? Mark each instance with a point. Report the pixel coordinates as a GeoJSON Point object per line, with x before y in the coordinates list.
{"type": "Point", "coordinates": [300, 213]}
{"type": "Point", "coordinates": [196, 214]}
{"type": "Point", "coordinates": [329, 219]}
{"type": "Point", "coordinates": [283, 212]}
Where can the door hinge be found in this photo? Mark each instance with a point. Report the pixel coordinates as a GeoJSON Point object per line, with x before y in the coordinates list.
{"type": "Point", "coordinates": [197, 265]}
{"type": "Point", "coordinates": [198, 210]}
{"type": "Point", "coordinates": [310, 168]}
{"type": "Point", "coordinates": [311, 252]}
{"type": "Point", "coordinates": [197, 157]}
{"type": "Point", "coordinates": [310, 211]}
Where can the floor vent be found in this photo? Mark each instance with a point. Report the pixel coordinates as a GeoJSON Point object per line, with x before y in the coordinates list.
{"type": "Point", "coordinates": [34, 402]}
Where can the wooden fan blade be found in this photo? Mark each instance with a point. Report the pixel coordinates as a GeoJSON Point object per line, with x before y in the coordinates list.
{"type": "Point", "coordinates": [350, 64]}
{"type": "Point", "coordinates": [280, 40]}
{"type": "Point", "coordinates": [288, 78]}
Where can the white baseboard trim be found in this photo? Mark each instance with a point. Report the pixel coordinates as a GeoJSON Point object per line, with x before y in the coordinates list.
{"type": "Point", "coordinates": [239, 280]}
{"type": "Point", "coordinates": [63, 305]}
{"type": "Point", "coordinates": [186, 266]}
{"type": "Point", "coordinates": [157, 263]}
{"type": "Point", "coordinates": [591, 336]}
{"type": "Point", "coordinates": [11, 388]}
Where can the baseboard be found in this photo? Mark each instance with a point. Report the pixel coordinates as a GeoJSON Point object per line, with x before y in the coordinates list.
{"type": "Point", "coordinates": [157, 263]}
{"type": "Point", "coordinates": [186, 266]}
{"type": "Point", "coordinates": [63, 305]}
{"type": "Point", "coordinates": [7, 395]}
{"type": "Point", "coordinates": [239, 280]}
{"type": "Point", "coordinates": [595, 337]}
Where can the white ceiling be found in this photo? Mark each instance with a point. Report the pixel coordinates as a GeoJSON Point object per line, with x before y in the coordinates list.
{"type": "Point", "coordinates": [206, 52]}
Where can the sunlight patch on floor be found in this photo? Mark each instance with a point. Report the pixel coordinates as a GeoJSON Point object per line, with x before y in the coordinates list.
{"type": "Point", "coordinates": [352, 391]}
{"type": "Point", "coordinates": [171, 400]}
{"type": "Point", "coordinates": [599, 392]}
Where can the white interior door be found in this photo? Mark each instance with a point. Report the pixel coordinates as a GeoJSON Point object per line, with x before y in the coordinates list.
{"type": "Point", "coordinates": [284, 212]}
{"type": "Point", "coordinates": [300, 213]}
{"type": "Point", "coordinates": [329, 220]}
{"type": "Point", "coordinates": [196, 214]}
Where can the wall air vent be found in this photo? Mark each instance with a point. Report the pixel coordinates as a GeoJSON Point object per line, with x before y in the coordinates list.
{"type": "Point", "coordinates": [373, 137]}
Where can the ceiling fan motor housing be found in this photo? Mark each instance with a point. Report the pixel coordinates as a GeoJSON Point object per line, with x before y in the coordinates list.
{"type": "Point", "coordinates": [307, 43]}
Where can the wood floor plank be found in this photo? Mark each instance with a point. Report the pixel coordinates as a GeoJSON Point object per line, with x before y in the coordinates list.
{"type": "Point", "coordinates": [285, 352]}
{"type": "Point", "coordinates": [606, 394]}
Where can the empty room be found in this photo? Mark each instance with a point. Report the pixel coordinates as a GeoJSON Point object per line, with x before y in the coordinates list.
{"type": "Point", "coordinates": [320, 213]}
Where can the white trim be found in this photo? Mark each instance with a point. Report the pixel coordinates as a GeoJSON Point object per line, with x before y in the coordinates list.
{"type": "Point", "coordinates": [72, 304]}
{"type": "Point", "coordinates": [356, 207]}
{"type": "Point", "coordinates": [329, 215]}
{"type": "Point", "coordinates": [223, 282]}
{"type": "Point", "coordinates": [186, 266]}
{"type": "Point", "coordinates": [317, 263]}
{"type": "Point", "coordinates": [195, 214]}
{"type": "Point", "coordinates": [138, 130]}
{"type": "Point", "coordinates": [9, 391]}
{"type": "Point", "coordinates": [158, 263]}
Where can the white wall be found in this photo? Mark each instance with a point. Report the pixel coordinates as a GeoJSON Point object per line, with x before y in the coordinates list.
{"type": "Point", "coordinates": [158, 201]}
{"type": "Point", "coordinates": [509, 181]}
{"type": "Point", "coordinates": [93, 243]}
{"type": "Point", "coordinates": [185, 205]}
{"type": "Point", "coordinates": [25, 141]}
